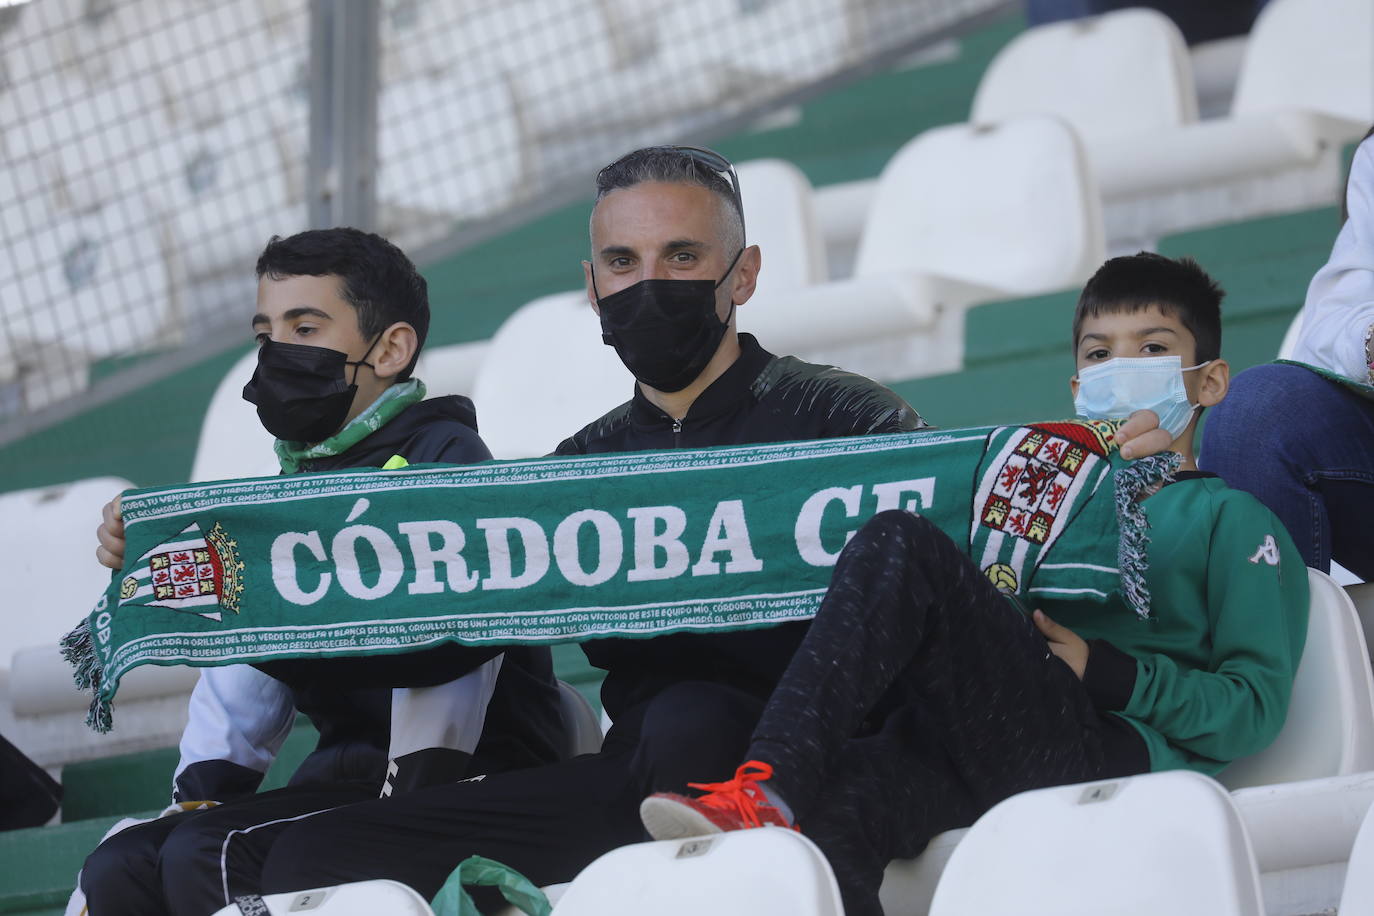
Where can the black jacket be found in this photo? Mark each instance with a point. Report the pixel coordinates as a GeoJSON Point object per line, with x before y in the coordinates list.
{"type": "Point", "coordinates": [761, 398]}
{"type": "Point", "coordinates": [349, 700]}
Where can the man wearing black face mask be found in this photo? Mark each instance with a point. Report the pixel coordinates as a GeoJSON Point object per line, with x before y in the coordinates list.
{"type": "Point", "coordinates": [670, 268]}
{"type": "Point", "coordinates": [341, 317]}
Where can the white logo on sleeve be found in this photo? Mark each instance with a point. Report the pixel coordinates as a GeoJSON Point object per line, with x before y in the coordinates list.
{"type": "Point", "coordinates": [1268, 552]}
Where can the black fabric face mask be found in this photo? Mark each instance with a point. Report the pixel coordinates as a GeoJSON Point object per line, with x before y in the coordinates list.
{"type": "Point", "coordinates": [664, 331]}
{"type": "Point", "coordinates": [300, 391]}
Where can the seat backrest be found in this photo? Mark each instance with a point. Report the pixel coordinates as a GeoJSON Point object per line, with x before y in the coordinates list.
{"type": "Point", "coordinates": [1362, 597]}
{"type": "Point", "coordinates": [49, 564]}
{"type": "Point", "coordinates": [1120, 73]}
{"type": "Point", "coordinates": [546, 375]}
{"type": "Point", "coordinates": [451, 369]}
{"type": "Point", "coordinates": [1169, 842]}
{"type": "Point", "coordinates": [1311, 54]}
{"type": "Point", "coordinates": [1290, 337]}
{"type": "Point", "coordinates": [781, 219]}
{"type": "Point", "coordinates": [1358, 893]}
{"type": "Point", "coordinates": [580, 719]}
{"type": "Point", "coordinates": [1329, 730]}
{"type": "Point", "coordinates": [232, 442]}
{"type": "Point", "coordinates": [769, 870]}
{"type": "Point", "coordinates": [1012, 206]}
{"type": "Point", "coordinates": [360, 898]}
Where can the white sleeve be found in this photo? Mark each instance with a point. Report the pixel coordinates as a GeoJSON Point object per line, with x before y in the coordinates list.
{"type": "Point", "coordinates": [237, 714]}
{"type": "Point", "coordinates": [450, 715]}
{"type": "Point", "coordinates": [1340, 300]}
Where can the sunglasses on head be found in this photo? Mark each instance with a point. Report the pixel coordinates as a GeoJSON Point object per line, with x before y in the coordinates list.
{"type": "Point", "coordinates": [705, 158]}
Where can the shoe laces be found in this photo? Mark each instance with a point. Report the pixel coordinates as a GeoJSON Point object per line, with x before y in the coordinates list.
{"type": "Point", "coordinates": [741, 795]}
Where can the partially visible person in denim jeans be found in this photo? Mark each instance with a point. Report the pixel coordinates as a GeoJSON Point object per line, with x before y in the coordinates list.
{"type": "Point", "coordinates": [1303, 443]}
{"type": "Point", "coordinates": [1199, 21]}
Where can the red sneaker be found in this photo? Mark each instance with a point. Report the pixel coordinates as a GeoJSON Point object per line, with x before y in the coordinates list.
{"type": "Point", "coordinates": [734, 805]}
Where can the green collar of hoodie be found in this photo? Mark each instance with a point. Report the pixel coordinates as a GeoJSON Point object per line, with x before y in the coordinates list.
{"type": "Point", "coordinates": [291, 455]}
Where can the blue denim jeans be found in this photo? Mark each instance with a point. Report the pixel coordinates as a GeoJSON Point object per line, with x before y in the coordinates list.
{"type": "Point", "coordinates": [1304, 447]}
{"type": "Point", "coordinates": [1039, 12]}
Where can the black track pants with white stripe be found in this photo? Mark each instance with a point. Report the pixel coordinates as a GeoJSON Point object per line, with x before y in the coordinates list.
{"type": "Point", "coordinates": [547, 822]}
{"type": "Point", "coordinates": [193, 863]}
{"type": "Point", "coordinates": [957, 698]}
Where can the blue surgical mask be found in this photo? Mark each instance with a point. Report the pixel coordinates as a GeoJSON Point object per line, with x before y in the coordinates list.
{"type": "Point", "coordinates": [1116, 388]}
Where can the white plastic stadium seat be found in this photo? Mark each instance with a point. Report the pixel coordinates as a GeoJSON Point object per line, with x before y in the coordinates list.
{"type": "Point", "coordinates": [1301, 833]}
{"type": "Point", "coordinates": [452, 369]}
{"type": "Point", "coordinates": [1290, 337]}
{"type": "Point", "coordinates": [1168, 842]}
{"type": "Point", "coordinates": [41, 683]}
{"type": "Point", "coordinates": [1216, 70]}
{"type": "Point", "coordinates": [528, 396]}
{"type": "Point", "coordinates": [1362, 596]}
{"type": "Point", "coordinates": [1120, 73]}
{"type": "Point", "coordinates": [768, 870]}
{"type": "Point", "coordinates": [1358, 895]}
{"type": "Point", "coordinates": [50, 569]}
{"type": "Point", "coordinates": [232, 442]}
{"type": "Point", "coordinates": [962, 215]}
{"type": "Point", "coordinates": [54, 582]}
{"type": "Point", "coordinates": [1329, 730]}
{"type": "Point", "coordinates": [1012, 206]}
{"type": "Point", "coordinates": [780, 216]}
{"type": "Point", "coordinates": [1304, 91]}
{"type": "Point", "coordinates": [1315, 55]}
{"type": "Point", "coordinates": [909, 884]}
{"type": "Point", "coordinates": [584, 728]}
{"type": "Point", "coordinates": [361, 898]}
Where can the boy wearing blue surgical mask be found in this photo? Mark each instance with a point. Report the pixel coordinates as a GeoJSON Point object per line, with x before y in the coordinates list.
{"type": "Point", "coordinates": [1147, 336]}
{"type": "Point", "coordinates": [921, 696]}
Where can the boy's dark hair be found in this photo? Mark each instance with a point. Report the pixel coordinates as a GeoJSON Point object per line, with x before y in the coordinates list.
{"type": "Point", "coordinates": [1179, 288]}
{"type": "Point", "coordinates": [375, 277]}
{"type": "Point", "coordinates": [676, 165]}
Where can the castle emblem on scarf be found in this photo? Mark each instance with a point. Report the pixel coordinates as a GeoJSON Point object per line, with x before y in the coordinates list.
{"type": "Point", "coordinates": [194, 572]}
{"type": "Point", "coordinates": [1027, 492]}
{"type": "Point", "coordinates": [1023, 494]}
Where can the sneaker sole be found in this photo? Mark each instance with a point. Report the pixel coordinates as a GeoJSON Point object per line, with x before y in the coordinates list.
{"type": "Point", "coordinates": [668, 820]}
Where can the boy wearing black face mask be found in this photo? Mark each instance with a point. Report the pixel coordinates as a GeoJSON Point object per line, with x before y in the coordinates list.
{"type": "Point", "coordinates": [341, 317]}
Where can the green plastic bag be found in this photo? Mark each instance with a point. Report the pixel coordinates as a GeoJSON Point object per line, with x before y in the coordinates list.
{"type": "Point", "coordinates": [518, 890]}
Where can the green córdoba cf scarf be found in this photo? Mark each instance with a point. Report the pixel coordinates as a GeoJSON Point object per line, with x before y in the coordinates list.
{"type": "Point", "coordinates": [567, 549]}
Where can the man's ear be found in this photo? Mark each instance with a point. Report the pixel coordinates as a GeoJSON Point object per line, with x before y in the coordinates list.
{"type": "Point", "coordinates": [1215, 382]}
{"type": "Point", "coordinates": [394, 350]}
{"type": "Point", "coordinates": [1073, 386]}
{"type": "Point", "coordinates": [589, 282]}
{"type": "Point", "coordinates": [746, 275]}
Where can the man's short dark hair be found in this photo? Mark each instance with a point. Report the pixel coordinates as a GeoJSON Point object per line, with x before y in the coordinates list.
{"type": "Point", "coordinates": [1179, 288]}
{"type": "Point", "coordinates": [375, 277]}
{"type": "Point", "coordinates": [671, 165]}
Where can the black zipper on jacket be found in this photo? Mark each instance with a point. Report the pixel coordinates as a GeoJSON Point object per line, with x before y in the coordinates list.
{"type": "Point", "coordinates": [677, 433]}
